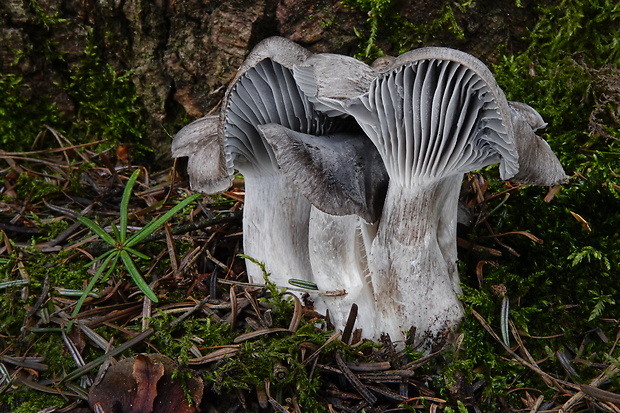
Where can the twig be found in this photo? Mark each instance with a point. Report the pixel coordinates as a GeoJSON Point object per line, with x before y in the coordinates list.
{"type": "Point", "coordinates": [188, 313]}
{"type": "Point", "coordinates": [274, 403]}
{"type": "Point", "coordinates": [294, 325]}
{"type": "Point", "coordinates": [604, 376]}
{"type": "Point", "coordinates": [355, 382]}
{"type": "Point", "coordinates": [370, 367]}
{"type": "Point", "coordinates": [46, 151]}
{"type": "Point", "coordinates": [520, 343]}
{"type": "Point", "coordinates": [253, 334]}
{"type": "Point", "coordinates": [537, 404]}
{"type": "Point", "coordinates": [75, 353]}
{"type": "Point", "coordinates": [314, 355]}
{"type": "Point", "coordinates": [46, 389]}
{"type": "Point", "coordinates": [556, 382]}
{"type": "Point", "coordinates": [348, 328]}
{"type": "Point", "coordinates": [118, 350]}
{"type": "Point", "coordinates": [193, 226]}
{"type": "Point", "coordinates": [216, 355]}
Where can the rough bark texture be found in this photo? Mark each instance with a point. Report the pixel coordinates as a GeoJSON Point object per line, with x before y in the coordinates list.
{"type": "Point", "coordinates": [182, 53]}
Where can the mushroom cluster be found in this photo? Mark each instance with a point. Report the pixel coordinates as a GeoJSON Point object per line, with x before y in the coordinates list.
{"type": "Point", "coordinates": [353, 174]}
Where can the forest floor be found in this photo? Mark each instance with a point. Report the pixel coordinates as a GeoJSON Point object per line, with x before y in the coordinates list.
{"type": "Point", "coordinates": [225, 345]}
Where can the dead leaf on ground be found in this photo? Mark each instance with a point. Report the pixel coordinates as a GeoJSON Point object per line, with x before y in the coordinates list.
{"type": "Point", "coordinates": [144, 384]}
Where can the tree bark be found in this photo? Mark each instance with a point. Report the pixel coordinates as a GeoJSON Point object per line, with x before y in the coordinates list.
{"type": "Point", "coordinates": [183, 53]}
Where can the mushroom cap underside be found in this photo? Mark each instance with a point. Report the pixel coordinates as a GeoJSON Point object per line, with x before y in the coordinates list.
{"type": "Point", "coordinates": [433, 112]}
{"type": "Point", "coordinates": [264, 91]}
{"type": "Point", "coordinates": [434, 117]}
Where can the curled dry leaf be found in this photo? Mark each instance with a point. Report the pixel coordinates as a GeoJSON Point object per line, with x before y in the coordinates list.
{"type": "Point", "coordinates": [144, 384]}
{"type": "Point", "coordinates": [582, 221]}
{"type": "Point", "coordinates": [146, 374]}
{"type": "Point", "coordinates": [552, 192]}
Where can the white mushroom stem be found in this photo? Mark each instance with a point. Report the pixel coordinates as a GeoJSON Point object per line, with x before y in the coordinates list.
{"type": "Point", "coordinates": [339, 258]}
{"type": "Point", "coordinates": [276, 215]}
{"type": "Point", "coordinates": [413, 263]}
{"type": "Point", "coordinates": [275, 228]}
{"type": "Point", "coordinates": [344, 178]}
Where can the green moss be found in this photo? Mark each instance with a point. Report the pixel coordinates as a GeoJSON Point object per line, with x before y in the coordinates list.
{"type": "Point", "coordinates": [42, 17]}
{"type": "Point", "coordinates": [388, 30]}
{"type": "Point", "coordinates": [13, 312]}
{"type": "Point", "coordinates": [202, 332]}
{"type": "Point", "coordinates": [277, 359]}
{"type": "Point", "coordinates": [563, 290]}
{"type": "Point", "coordinates": [21, 118]}
{"type": "Point", "coordinates": [105, 100]}
{"type": "Point", "coordinates": [30, 401]}
{"type": "Point", "coordinates": [51, 346]}
{"type": "Point", "coordinates": [34, 188]}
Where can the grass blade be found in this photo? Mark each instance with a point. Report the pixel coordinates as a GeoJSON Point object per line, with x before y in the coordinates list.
{"type": "Point", "coordinates": [115, 231]}
{"type": "Point", "coordinates": [124, 212]}
{"type": "Point", "coordinates": [97, 230]}
{"type": "Point", "coordinates": [101, 257]}
{"type": "Point", "coordinates": [91, 285]}
{"type": "Point", "coordinates": [7, 284]}
{"type": "Point", "coordinates": [137, 253]}
{"type": "Point", "coordinates": [111, 268]}
{"type": "Point", "coordinates": [504, 320]}
{"type": "Point", "coordinates": [308, 285]}
{"type": "Point", "coordinates": [154, 225]}
{"type": "Point", "coordinates": [136, 277]}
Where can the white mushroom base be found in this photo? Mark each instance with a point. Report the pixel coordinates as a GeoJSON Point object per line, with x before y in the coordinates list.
{"type": "Point", "coordinates": [413, 263]}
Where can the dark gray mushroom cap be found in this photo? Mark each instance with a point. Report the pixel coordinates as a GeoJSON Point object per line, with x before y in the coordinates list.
{"type": "Point", "coordinates": [206, 165]}
{"type": "Point", "coordinates": [264, 91]}
{"type": "Point", "coordinates": [531, 115]}
{"type": "Point", "coordinates": [340, 174]}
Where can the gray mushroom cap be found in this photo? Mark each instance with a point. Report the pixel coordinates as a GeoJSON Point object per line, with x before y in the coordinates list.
{"type": "Point", "coordinates": [206, 165]}
{"type": "Point", "coordinates": [340, 174]}
{"type": "Point", "coordinates": [538, 165]}
{"type": "Point", "coordinates": [329, 80]}
{"type": "Point", "coordinates": [531, 115]}
{"type": "Point", "coordinates": [436, 112]}
{"type": "Point", "coordinates": [263, 91]}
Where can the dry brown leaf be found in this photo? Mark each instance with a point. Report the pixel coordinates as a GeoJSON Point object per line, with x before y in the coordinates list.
{"type": "Point", "coordinates": [146, 373]}
{"type": "Point", "coordinates": [552, 192]}
{"type": "Point", "coordinates": [582, 221]}
{"type": "Point", "coordinates": [144, 384]}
